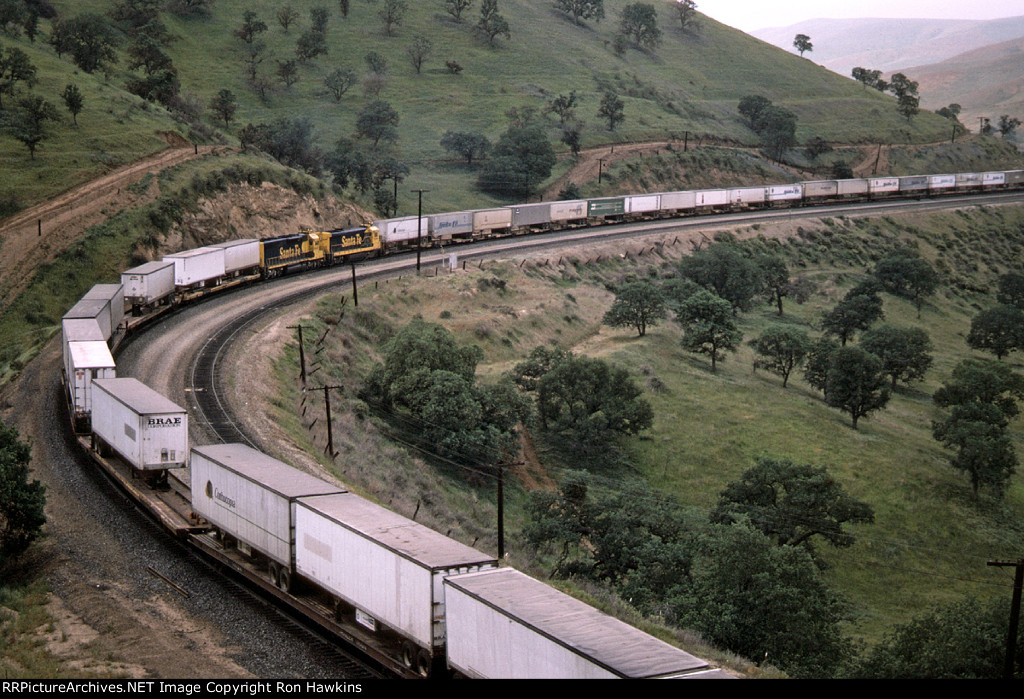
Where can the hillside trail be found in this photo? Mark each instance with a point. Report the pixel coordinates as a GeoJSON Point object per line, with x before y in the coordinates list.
{"type": "Point", "coordinates": [65, 218]}
{"type": "Point", "coordinates": [592, 161]}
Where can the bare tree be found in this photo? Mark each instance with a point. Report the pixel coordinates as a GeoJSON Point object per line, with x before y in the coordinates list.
{"type": "Point", "coordinates": [339, 82]}
{"type": "Point", "coordinates": [456, 7]}
{"type": "Point", "coordinates": [419, 51]}
{"type": "Point", "coordinates": [392, 14]}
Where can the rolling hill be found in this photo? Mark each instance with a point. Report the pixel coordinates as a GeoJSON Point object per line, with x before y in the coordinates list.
{"type": "Point", "coordinates": [887, 44]}
{"type": "Point", "coordinates": [988, 82]}
{"type": "Point", "coordinates": [691, 82]}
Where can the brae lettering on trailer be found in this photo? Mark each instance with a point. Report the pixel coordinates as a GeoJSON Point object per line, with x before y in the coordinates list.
{"type": "Point", "coordinates": [163, 421]}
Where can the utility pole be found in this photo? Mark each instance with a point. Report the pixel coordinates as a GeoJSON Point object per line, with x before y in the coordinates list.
{"type": "Point", "coordinates": [355, 289]}
{"type": "Point", "coordinates": [1011, 639]}
{"type": "Point", "coordinates": [501, 506]}
{"type": "Point", "coordinates": [600, 169]}
{"type": "Point", "coordinates": [419, 228]}
{"type": "Point", "coordinates": [327, 405]}
{"type": "Point", "coordinates": [302, 354]}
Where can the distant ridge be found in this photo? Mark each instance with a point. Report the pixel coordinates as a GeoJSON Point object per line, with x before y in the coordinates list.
{"type": "Point", "coordinates": [986, 82]}
{"type": "Point", "coordinates": [891, 44]}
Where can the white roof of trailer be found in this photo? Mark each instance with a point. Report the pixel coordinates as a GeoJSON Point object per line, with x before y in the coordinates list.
{"type": "Point", "coordinates": [191, 253]}
{"type": "Point", "coordinates": [274, 475]}
{"type": "Point", "coordinates": [104, 291]}
{"type": "Point", "coordinates": [148, 268]}
{"type": "Point", "coordinates": [87, 308]}
{"type": "Point", "coordinates": [138, 396]}
{"type": "Point", "coordinates": [405, 537]}
{"type": "Point", "coordinates": [613, 644]}
{"type": "Point", "coordinates": [91, 354]}
{"type": "Point", "coordinates": [234, 243]}
{"type": "Point", "coordinates": [81, 329]}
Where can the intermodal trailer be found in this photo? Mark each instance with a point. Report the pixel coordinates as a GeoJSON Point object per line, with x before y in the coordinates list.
{"type": "Point", "coordinates": [93, 309]}
{"type": "Point", "coordinates": [569, 210]}
{"type": "Point", "coordinates": [387, 568]}
{"type": "Point", "coordinates": [487, 221]}
{"type": "Point", "coordinates": [678, 201]}
{"type": "Point", "coordinates": [746, 196]}
{"type": "Point", "coordinates": [503, 624]}
{"type": "Point", "coordinates": [197, 268]}
{"type": "Point", "coordinates": [821, 188]}
{"type": "Point", "coordinates": [785, 192]}
{"type": "Point", "coordinates": [1014, 178]}
{"type": "Point", "coordinates": [914, 183]}
{"type": "Point", "coordinates": [643, 204]}
{"type": "Point", "coordinates": [883, 185]}
{"type": "Point", "coordinates": [114, 294]}
{"type": "Point", "coordinates": [403, 230]}
{"type": "Point", "coordinates": [149, 431]}
{"type": "Point", "coordinates": [707, 198]}
{"type": "Point", "coordinates": [447, 226]}
{"type": "Point", "coordinates": [601, 208]}
{"type": "Point", "coordinates": [968, 180]}
{"type": "Point", "coordinates": [87, 361]}
{"type": "Point", "coordinates": [240, 256]}
{"type": "Point", "coordinates": [249, 496]}
{"type": "Point", "coordinates": [531, 215]}
{"type": "Point", "coordinates": [148, 284]}
{"type": "Point", "coordinates": [78, 330]}
{"type": "Point", "coordinates": [852, 187]}
{"type": "Point", "coordinates": [993, 179]}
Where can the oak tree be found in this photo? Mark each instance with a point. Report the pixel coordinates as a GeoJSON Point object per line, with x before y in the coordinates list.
{"type": "Point", "coordinates": [639, 304]}
{"type": "Point", "coordinates": [709, 326]}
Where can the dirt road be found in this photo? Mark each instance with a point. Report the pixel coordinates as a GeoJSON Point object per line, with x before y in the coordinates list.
{"type": "Point", "coordinates": [37, 235]}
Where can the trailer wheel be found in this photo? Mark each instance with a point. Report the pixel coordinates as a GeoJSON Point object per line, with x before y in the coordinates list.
{"type": "Point", "coordinates": [424, 662]}
{"type": "Point", "coordinates": [272, 568]}
{"type": "Point", "coordinates": [409, 655]}
{"type": "Point", "coordinates": [284, 579]}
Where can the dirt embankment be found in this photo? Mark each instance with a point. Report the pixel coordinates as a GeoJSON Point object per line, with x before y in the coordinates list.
{"type": "Point", "coordinates": [244, 211]}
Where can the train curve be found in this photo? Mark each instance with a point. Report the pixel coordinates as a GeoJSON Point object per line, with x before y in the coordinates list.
{"type": "Point", "coordinates": [164, 355]}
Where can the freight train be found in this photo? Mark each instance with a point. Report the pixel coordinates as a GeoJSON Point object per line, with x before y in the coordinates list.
{"type": "Point", "coordinates": [398, 233]}
{"type": "Point", "coordinates": [433, 605]}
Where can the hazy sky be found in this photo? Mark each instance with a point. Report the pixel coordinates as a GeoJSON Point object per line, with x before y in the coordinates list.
{"type": "Point", "coordinates": [749, 15]}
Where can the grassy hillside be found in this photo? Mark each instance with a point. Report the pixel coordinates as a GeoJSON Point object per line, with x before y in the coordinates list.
{"type": "Point", "coordinates": [930, 540]}
{"type": "Point", "coordinates": [691, 82]}
{"type": "Point", "coordinates": [114, 127]}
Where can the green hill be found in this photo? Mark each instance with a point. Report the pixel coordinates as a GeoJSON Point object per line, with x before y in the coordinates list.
{"type": "Point", "coordinates": [691, 82]}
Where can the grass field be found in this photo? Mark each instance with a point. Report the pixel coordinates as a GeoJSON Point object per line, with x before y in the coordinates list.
{"type": "Point", "coordinates": [930, 541]}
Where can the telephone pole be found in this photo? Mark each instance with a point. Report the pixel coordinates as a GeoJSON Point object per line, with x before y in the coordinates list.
{"type": "Point", "coordinates": [419, 227]}
{"type": "Point", "coordinates": [302, 354]}
{"type": "Point", "coordinates": [327, 406]}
